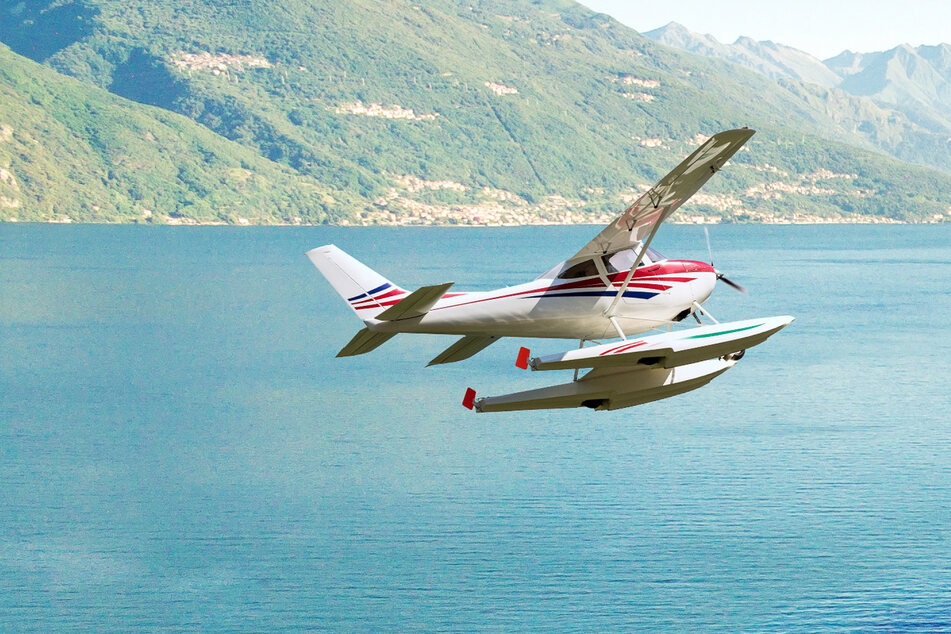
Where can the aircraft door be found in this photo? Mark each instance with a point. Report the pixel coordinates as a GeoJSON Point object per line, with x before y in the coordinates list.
{"type": "Point", "coordinates": [618, 265]}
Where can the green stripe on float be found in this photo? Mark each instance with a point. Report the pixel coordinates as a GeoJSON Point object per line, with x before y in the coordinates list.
{"type": "Point", "coordinates": [724, 332]}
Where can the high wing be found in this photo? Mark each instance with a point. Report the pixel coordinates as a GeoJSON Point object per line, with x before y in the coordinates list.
{"type": "Point", "coordinates": [664, 198]}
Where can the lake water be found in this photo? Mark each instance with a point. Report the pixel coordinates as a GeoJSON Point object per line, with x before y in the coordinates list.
{"type": "Point", "coordinates": [179, 448]}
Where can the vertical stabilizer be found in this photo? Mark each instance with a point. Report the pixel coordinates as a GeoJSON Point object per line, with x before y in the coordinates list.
{"type": "Point", "coordinates": [367, 292]}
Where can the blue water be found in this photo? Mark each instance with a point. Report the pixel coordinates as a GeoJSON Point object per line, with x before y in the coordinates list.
{"type": "Point", "coordinates": [179, 448]}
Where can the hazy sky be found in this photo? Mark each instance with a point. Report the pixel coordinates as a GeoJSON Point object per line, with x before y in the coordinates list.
{"type": "Point", "coordinates": [821, 27]}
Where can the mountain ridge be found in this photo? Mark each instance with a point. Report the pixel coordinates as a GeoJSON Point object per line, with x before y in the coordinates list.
{"type": "Point", "coordinates": [913, 81]}
{"type": "Point", "coordinates": [485, 112]}
{"type": "Point", "coordinates": [765, 57]}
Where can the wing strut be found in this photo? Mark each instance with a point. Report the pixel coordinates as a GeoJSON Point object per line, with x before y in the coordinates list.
{"type": "Point", "coordinates": [580, 346]}
{"type": "Point", "coordinates": [630, 275]}
{"type": "Point", "coordinates": [617, 327]}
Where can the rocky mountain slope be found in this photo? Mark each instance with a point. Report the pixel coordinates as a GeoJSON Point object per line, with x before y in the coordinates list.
{"type": "Point", "coordinates": [776, 61]}
{"type": "Point", "coordinates": [914, 80]}
{"type": "Point", "coordinates": [911, 85]}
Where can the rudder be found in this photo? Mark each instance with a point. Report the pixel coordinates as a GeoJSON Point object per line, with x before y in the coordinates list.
{"type": "Point", "coordinates": [367, 292]}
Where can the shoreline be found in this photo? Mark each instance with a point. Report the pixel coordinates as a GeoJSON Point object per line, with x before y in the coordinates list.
{"type": "Point", "coordinates": [771, 222]}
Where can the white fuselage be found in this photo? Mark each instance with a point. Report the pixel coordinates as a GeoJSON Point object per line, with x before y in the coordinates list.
{"type": "Point", "coordinates": [569, 308]}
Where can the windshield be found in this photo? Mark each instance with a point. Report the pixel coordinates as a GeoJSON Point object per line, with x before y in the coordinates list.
{"type": "Point", "coordinates": [613, 263]}
{"type": "Point", "coordinates": [624, 260]}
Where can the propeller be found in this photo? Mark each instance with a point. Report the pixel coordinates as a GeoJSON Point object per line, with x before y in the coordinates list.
{"type": "Point", "coordinates": [731, 283]}
{"type": "Point", "coordinates": [720, 275]}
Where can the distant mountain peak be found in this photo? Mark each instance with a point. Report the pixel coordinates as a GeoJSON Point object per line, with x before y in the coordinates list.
{"type": "Point", "coordinates": [769, 58]}
{"type": "Point", "coordinates": [746, 40]}
{"type": "Point", "coordinates": [677, 35]}
{"type": "Point", "coordinates": [675, 27]}
{"type": "Point", "coordinates": [915, 80]}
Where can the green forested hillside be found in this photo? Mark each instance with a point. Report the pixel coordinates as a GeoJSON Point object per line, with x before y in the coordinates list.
{"type": "Point", "coordinates": [71, 151]}
{"type": "Point", "coordinates": [488, 111]}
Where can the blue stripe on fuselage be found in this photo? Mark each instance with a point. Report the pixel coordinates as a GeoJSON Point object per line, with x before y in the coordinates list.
{"type": "Point", "coordinates": [634, 294]}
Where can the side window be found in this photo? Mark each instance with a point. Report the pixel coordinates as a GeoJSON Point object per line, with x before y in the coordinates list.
{"type": "Point", "coordinates": [622, 261]}
{"type": "Point", "coordinates": [581, 269]}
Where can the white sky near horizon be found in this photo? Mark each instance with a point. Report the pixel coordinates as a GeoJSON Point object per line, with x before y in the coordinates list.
{"type": "Point", "coordinates": [823, 28]}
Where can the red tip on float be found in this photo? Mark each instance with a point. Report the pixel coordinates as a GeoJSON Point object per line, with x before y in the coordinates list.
{"type": "Point", "coordinates": [469, 398]}
{"type": "Point", "coordinates": [522, 360]}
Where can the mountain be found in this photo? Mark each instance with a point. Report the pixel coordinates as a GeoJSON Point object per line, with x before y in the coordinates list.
{"type": "Point", "coordinates": [494, 111]}
{"type": "Point", "coordinates": [71, 151]}
{"type": "Point", "coordinates": [773, 60]}
{"type": "Point", "coordinates": [915, 80]}
{"type": "Point", "coordinates": [909, 85]}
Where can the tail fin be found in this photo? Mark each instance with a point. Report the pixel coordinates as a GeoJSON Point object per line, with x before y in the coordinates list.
{"type": "Point", "coordinates": [367, 292]}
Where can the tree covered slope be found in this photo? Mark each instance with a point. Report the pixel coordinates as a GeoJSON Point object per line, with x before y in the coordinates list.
{"type": "Point", "coordinates": [71, 151]}
{"type": "Point", "coordinates": [490, 111]}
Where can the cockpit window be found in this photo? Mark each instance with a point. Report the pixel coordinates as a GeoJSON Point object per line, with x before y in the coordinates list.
{"type": "Point", "coordinates": [624, 260]}
{"type": "Point", "coordinates": [613, 263]}
{"type": "Point", "coordinates": [620, 261]}
{"type": "Point", "coordinates": [586, 268]}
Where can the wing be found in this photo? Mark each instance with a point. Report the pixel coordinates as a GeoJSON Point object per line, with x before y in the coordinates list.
{"type": "Point", "coordinates": [664, 198]}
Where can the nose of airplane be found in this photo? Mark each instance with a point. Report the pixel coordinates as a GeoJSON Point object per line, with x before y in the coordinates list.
{"type": "Point", "coordinates": [705, 279]}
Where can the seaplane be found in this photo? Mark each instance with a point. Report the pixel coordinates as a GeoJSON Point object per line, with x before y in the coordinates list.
{"type": "Point", "coordinates": [606, 296]}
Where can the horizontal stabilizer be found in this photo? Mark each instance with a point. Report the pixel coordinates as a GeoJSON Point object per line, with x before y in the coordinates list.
{"type": "Point", "coordinates": [416, 303]}
{"type": "Point", "coordinates": [464, 348]}
{"type": "Point", "coordinates": [365, 341]}
{"type": "Point", "coordinates": [669, 349]}
{"type": "Point", "coordinates": [615, 391]}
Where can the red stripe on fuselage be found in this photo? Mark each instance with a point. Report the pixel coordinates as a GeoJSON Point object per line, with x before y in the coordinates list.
{"type": "Point", "coordinates": [670, 267]}
{"type": "Point", "coordinates": [373, 302]}
{"type": "Point", "coordinates": [486, 299]}
{"type": "Point", "coordinates": [663, 279]}
{"type": "Point", "coordinates": [654, 273]}
{"type": "Point", "coordinates": [653, 287]}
